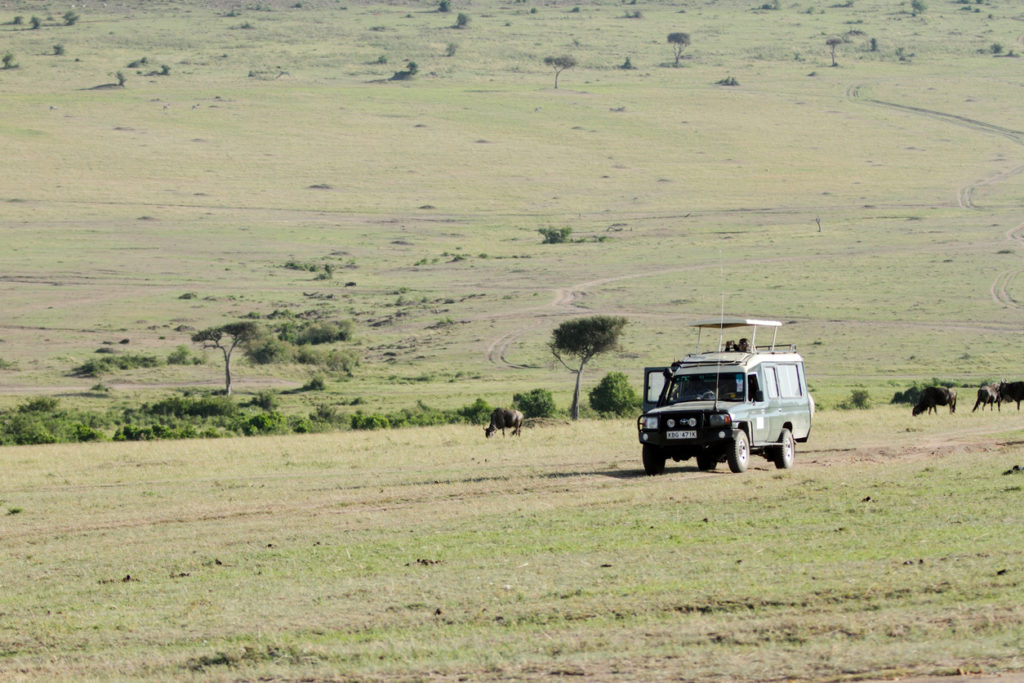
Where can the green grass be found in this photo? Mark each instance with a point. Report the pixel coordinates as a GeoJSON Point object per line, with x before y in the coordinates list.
{"type": "Point", "coordinates": [411, 554]}
{"type": "Point", "coordinates": [282, 143]}
{"type": "Point", "coordinates": [434, 550]}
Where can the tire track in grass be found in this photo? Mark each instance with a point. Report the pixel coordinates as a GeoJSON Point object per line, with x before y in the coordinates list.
{"type": "Point", "coordinates": [965, 195]}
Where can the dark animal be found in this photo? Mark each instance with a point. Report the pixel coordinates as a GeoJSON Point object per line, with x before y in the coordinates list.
{"type": "Point", "coordinates": [502, 418]}
{"type": "Point", "coordinates": [936, 396]}
{"type": "Point", "coordinates": [1011, 391]}
{"type": "Point", "coordinates": [987, 396]}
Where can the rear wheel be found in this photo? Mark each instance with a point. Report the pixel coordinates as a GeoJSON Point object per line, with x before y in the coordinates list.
{"type": "Point", "coordinates": [786, 451]}
{"type": "Point", "coordinates": [654, 460]}
{"type": "Point", "coordinates": [740, 453]}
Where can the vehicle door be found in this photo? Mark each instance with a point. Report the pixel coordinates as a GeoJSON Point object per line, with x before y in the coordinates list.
{"type": "Point", "coordinates": [654, 383]}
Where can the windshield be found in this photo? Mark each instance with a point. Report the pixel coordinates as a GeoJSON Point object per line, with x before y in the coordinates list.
{"type": "Point", "coordinates": [703, 387]}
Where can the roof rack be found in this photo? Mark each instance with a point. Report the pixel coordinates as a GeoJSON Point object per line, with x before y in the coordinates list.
{"type": "Point", "coordinates": [723, 323]}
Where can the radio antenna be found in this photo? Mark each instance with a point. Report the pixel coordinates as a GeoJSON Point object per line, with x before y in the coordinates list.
{"type": "Point", "coordinates": [721, 329]}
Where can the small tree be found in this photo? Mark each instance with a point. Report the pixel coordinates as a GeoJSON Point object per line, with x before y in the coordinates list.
{"type": "Point", "coordinates": [917, 7]}
{"type": "Point", "coordinates": [121, 78]}
{"type": "Point", "coordinates": [833, 43]}
{"type": "Point", "coordinates": [582, 339]}
{"type": "Point", "coordinates": [8, 61]}
{"type": "Point", "coordinates": [70, 18]}
{"type": "Point", "coordinates": [560, 64]}
{"type": "Point", "coordinates": [679, 42]}
{"type": "Point", "coordinates": [444, 6]}
{"type": "Point", "coordinates": [35, 22]}
{"type": "Point", "coordinates": [58, 49]}
{"type": "Point", "coordinates": [462, 21]}
{"type": "Point", "coordinates": [226, 338]}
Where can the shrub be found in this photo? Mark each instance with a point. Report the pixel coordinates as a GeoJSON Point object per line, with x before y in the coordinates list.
{"type": "Point", "coordinates": [315, 383]}
{"type": "Point", "coordinates": [181, 355]}
{"type": "Point", "coordinates": [535, 403]}
{"type": "Point", "coordinates": [462, 21]}
{"type": "Point", "coordinates": [42, 404]}
{"type": "Point", "coordinates": [8, 61]}
{"type": "Point", "coordinates": [729, 80]}
{"type": "Point", "coordinates": [325, 332]}
{"type": "Point", "coordinates": [264, 423]}
{"type": "Point", "coordinates": [70, 18]}
{"type": "Point", "coordinates": [267, 348]}
{"type": "Point", "coordinates": [361, 421]}
{"type": "Point", "coordinates": [444, 6]}
{"type": "Point", "coordinates": [555, 235]}
{"type": "Point", "coordinates": [478, 412]}
{"type": "Point", "coordinates": [264, 400]}
{"type": "Point", "coordinates": [614, 395]}
{"type": "Point", "coordinates": [859, 400]}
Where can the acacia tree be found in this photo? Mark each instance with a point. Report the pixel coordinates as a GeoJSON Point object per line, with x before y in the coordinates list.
{"type": "Point", "coordinates": [679, 42]}
{"type": "Point", "coordinates": [833, 43]}
{"type": "Point", "coordinates": [226, 338]}
{"type": "Point", "coordinates": [560, 64]}
{"type": "Point", "coordinates": [582, 339]}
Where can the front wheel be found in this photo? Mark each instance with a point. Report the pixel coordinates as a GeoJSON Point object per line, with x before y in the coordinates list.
{"type": "Point", "coordinates": [707, 460]}
{"type": "Point", "coordinates": [786, 451]}
{"type": "Point", "coordinates": [740, 453]}
{"type": "Point", "coordinates": [654, 460]}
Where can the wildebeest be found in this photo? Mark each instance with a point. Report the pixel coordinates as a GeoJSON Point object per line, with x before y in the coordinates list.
{"type": "Point", "coordinates": [936, 396]}
{"type": "Point", "coordinates": [502, 418]}
{"type": "Point", "coordinates": [988, 394]}
{"type": "Point", "coordinates": [1011, 391]}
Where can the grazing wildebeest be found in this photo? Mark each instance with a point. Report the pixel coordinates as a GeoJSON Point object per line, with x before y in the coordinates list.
{"type": "Point", "coordinates": [936, 396]}
{"type": "Point", "coordinates": [502, 418]}
{"type": "Point", "coordinates": [988, 394]}
{"type": "Point", "coordinates": [1011, 391]}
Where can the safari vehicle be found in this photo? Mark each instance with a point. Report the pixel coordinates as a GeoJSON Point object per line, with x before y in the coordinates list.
{"type": "Point", "coordinates": [724, 404]}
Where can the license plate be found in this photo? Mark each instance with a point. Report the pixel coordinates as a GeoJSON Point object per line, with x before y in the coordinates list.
{"type": "Point", "coordinates": [688, 434]}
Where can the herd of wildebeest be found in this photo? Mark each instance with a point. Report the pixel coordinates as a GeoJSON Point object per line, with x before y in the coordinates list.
{"type": "Point", "coordinates": [988, 395]}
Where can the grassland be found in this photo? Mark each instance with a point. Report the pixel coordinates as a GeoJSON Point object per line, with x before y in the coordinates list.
{"type": "Point", "coordinates": [276, 134]}
{"type": "Point", "coordinates": [432, 554]}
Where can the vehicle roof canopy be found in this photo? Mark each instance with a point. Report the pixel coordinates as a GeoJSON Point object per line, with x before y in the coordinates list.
{"type": "Point", "coordinates": [735, 322]}
{"type": "Point", "coordinates": [724, 323]}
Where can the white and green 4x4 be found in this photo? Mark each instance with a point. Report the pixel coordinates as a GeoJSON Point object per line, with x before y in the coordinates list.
{"type": "Point", "coordinates": [725, 404]}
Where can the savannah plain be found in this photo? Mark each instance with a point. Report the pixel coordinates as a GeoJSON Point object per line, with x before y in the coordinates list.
{"type": "Point", "coordinates": [874, 205]}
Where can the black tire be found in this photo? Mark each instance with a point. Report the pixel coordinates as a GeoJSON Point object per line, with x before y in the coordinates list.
{"type": "Point", "coordinates": [739, 456]}
{"type": "Point", "coordinates": [707, 460]}
{"type": "Point", "coordinates": [786, 451]}
{"type": "Point", "coordinates": [654, 460]}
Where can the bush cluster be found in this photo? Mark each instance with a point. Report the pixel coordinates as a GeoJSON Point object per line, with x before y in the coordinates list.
{"type": "Point", "coordinates": [106, 363]}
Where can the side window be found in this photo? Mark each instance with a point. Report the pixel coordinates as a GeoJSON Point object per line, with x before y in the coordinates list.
{"type": "Point", "coordinates": [771, 381]}
{"type": "Point", "coordinates": [789, 382]}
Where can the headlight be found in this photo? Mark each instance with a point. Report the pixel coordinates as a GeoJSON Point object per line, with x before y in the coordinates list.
{"type": "Point", "coordinates": [720, 420]}
{"type": "Point", "coordinates": [648, 422]}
